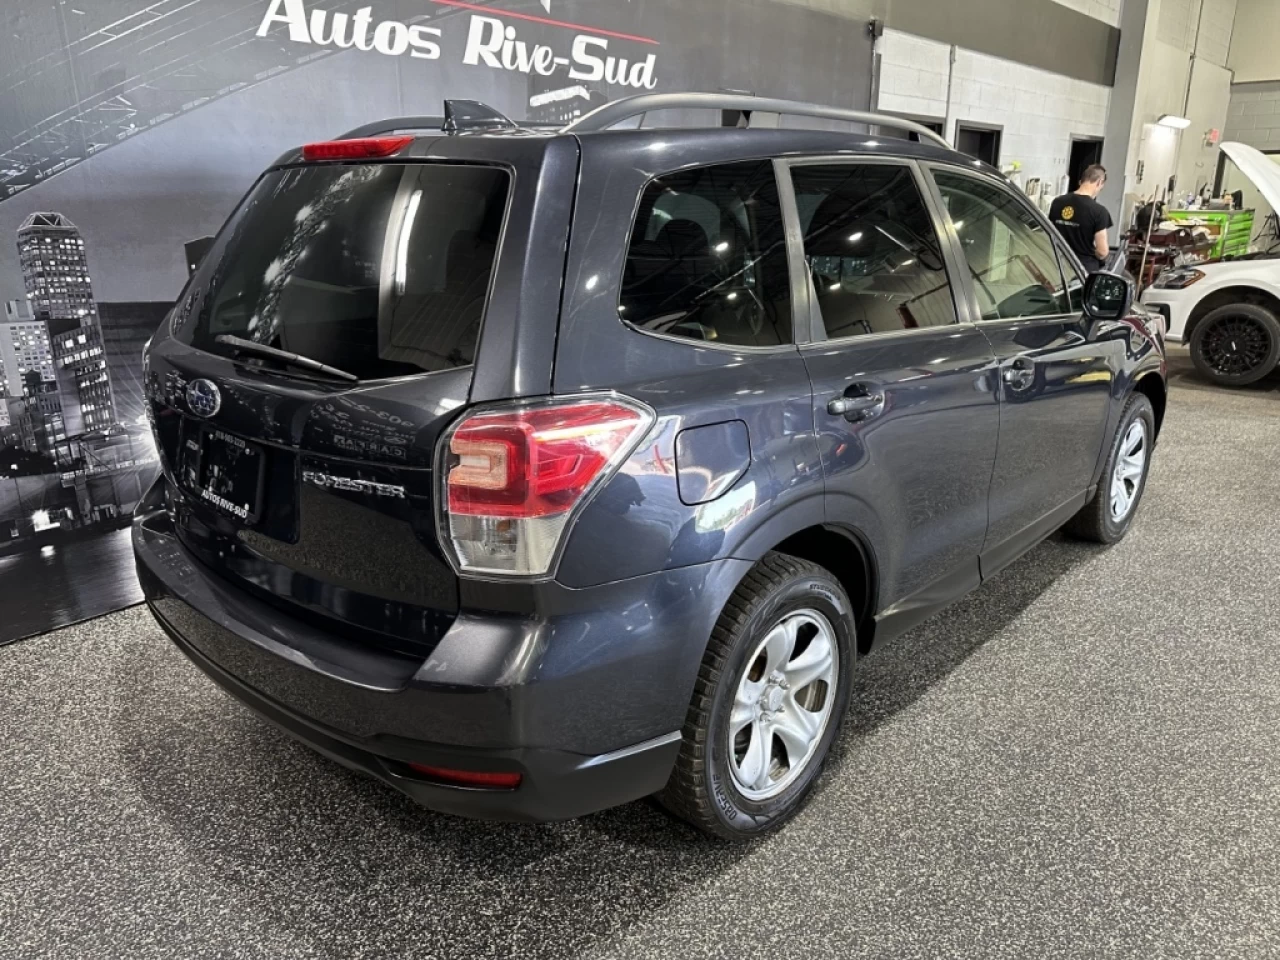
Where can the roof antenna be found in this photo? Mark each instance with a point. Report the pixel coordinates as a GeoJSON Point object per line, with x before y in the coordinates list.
{"type": "Point", "coordinates": [462, 115]}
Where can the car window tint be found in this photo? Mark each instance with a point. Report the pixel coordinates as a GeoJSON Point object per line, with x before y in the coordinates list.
{"type": "Point", "coordinates": [707, 258]}
{"type": "Point", "coordinates": [379, 269]}
{"type": "Point", "coordinates": [1010, 255]}
{"type": "Point", "coordinates": [871, 249]}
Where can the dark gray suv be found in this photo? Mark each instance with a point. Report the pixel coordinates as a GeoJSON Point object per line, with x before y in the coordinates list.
{"type": "Point", "coordinates": [537, 471]}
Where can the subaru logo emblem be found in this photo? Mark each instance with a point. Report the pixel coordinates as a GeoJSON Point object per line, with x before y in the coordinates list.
{"type": "Point", "coordinates": [203, 398]}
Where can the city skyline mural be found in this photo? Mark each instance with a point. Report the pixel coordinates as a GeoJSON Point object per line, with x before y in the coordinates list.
{"type": "Point", "coordinates": [130, 129]}
{"type": "Point", "coordinates": [76, 452]}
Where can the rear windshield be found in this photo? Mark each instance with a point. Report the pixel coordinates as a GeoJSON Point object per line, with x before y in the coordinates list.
{"type": "Point", "coordinates": [381, 270]}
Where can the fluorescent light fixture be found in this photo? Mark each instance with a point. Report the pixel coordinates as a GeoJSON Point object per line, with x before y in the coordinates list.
{"type": "Point", "coordinates": [1169, 120]}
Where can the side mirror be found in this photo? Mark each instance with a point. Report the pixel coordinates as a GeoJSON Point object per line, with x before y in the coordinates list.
{"type": "Point", "coordinates": [1108, 297]}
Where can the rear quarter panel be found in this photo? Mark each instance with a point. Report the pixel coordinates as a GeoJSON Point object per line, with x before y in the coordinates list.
{"type": "Point", "coordinates": [638, 523]}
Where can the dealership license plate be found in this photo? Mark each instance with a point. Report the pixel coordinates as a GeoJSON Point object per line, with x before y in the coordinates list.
{"type": "Point", "coordinates": [225, 472]}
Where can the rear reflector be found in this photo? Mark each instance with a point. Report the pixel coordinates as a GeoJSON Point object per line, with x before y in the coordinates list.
{"type": "Point", "coordinates": [469, 778]}
{"type": "Point", "coordinates": [514, 476]}
{"type": "Point", "coordinates": [361, 149]}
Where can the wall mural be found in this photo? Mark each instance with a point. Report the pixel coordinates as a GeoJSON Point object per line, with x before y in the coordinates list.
{"type": "Point", "coordinates": [129, 129]}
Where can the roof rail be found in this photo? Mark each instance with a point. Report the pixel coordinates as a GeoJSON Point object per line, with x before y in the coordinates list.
{"type": "Point", "coordinates": [605, 116]}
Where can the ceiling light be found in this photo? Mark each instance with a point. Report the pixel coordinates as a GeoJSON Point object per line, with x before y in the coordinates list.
{"type": "Point", "coordinates": [1169, 120]}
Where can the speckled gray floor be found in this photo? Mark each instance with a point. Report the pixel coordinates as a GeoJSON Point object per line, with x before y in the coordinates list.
{"type": "Point", "coordinates": [1082, 759]}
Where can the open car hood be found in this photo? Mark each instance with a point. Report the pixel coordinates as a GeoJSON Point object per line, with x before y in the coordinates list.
{"type": "Point", "coordinates": [1259, 168]}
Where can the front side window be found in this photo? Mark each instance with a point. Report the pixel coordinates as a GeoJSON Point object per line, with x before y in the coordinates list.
{"type": "Point", "coordinates": [378, 269]}
{"type": "Point", "coordinates": [871, 248]}
{"type": "Point", "coordinates": [707, 258]}
{"type": "Point", "coordinates": [1010, 255]}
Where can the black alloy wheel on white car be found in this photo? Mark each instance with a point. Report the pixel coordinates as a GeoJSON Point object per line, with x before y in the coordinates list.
{"type": "Point", "coordinates": [771, 694]}
{"type": "Point", "coordinates": [1237, 344]}
{"type": "Point", "coordinates": [1107, 517]}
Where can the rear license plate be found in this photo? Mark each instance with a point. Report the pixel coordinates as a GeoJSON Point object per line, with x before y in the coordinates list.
{"type": "Point", "coordinates": [225, 471]}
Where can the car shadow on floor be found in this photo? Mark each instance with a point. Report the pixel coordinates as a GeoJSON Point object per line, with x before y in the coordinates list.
{"type": "Point", "coordinates": [343, 865]}
{"type": "Point", "coordinates": [895, 676]}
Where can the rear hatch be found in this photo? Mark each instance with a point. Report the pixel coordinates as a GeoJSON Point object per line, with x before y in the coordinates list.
{"type": "Point", "coordinates": [312, 488]}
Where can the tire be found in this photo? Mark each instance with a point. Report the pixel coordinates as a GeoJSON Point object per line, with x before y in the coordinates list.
{"type": "Point", "coordinates": [1098, 520]}
{"type": "Point", "coordinates": [800, 600]}
{"type": "Point", "coordinates": [1236, 344]}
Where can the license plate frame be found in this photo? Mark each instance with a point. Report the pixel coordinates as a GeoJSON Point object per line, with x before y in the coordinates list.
{"type": "Point", "coordinates": [225, 472]}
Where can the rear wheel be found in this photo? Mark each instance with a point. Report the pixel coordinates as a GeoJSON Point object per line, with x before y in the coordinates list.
{"type": "Point", "coordinates": [1236, 344]}
{"type": "Point", "coordinates": [771, 694]}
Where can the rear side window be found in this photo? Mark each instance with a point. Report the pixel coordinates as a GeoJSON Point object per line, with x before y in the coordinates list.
{"type": "Point", "coordinates": [707, 258]}
{"type": "Point", "coordinates": [378, 269]}
{"type": "Point", "coordinates": [872, 249]}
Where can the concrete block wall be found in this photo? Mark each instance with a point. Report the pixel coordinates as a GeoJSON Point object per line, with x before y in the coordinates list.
{"type": "Point", "coordinates": [1037, 112]}
{"type": "Point", "coordinates": [1253, 115]}
{"type": "Point", "coordinates": [1217, 23]}
{"type": "Point", "coordinates": [1204, 24]}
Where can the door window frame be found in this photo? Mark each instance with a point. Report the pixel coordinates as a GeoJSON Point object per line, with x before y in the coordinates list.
{"type": "Point", "coordinates": [805, 303]}
{"type": "Point", "coordinates": [971, 294]}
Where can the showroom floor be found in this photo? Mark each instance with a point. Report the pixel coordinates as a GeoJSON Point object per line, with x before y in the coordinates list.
{"type": "Point", "coordinates": [1081, 759]}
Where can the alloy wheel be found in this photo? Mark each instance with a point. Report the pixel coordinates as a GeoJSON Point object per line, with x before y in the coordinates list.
{"type": "Point", "coordinates": [1131, 464]}
{"type": "Point", "coordinates": [783, 704]}
{"type": "Point", "coordinates": [1235, 345]}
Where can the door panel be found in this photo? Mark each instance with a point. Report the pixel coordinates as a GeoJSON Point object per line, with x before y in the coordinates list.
{"type": "Point", "coordinates": [1055, 387]}
{"type": "Point", "coordinates": [1054, 382]}
{"type": "Point", "coordinates": [920, 463]}
{"type": "Point", "coordinates": [905, 403]}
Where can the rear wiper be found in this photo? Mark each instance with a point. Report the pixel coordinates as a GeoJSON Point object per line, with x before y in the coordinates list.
{"type": "Point", "coordinates": [297, 360]}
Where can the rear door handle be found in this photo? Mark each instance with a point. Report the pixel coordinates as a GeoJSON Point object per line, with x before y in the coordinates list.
{"type": "Point", "coordinates": [856, 403]}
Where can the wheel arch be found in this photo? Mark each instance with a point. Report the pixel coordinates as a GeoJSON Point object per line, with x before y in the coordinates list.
{"type": "Point", "coordinates": [1237, 293]}
{"type": "Point", "coordinates": [848, 556]}
{"type": "Point", "coordinates": [1152, 385]}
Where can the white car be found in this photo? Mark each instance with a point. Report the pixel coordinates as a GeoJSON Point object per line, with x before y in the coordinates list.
{"type": "Point", "coordinates": [1228, 311]}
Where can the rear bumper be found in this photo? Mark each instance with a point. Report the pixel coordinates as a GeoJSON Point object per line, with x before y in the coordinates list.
{"type": "Point", "coordinates": [585, 700]}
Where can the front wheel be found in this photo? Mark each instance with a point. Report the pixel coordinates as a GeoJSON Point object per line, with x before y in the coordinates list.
{"type": "Point", "coordinates": [771, 694]}
{"type": "Point", "coordinates": [1237, 344]}
{"type": "Point", "coordinates": [1107, 517]}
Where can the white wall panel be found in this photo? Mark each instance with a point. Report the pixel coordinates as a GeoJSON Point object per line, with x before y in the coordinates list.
{"type": "Point", "coordinates": [1254, 44]}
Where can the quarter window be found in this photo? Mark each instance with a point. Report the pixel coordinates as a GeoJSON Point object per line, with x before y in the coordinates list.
{"type": "Point", "coordinates": [1010, 255]}
{"type": "Point", "coordinates": [872, 250]}
{"type": "Point", "coordinates": [707, 258]}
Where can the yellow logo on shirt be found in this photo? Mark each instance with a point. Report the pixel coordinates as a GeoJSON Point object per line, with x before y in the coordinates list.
{"type": "Point", "coordinates": [1068, 213]}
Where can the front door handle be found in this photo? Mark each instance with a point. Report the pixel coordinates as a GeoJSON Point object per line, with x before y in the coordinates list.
{"type": "Point", "coordinates": [1020, 373]}
{"type": "Point", "coordinates": [856, 403]}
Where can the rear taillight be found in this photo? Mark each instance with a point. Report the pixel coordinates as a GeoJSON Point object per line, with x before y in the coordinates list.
{"type": "Point", "coordinates": [363, 148]}
{"type": "Point", "coordinates": [514, 477]}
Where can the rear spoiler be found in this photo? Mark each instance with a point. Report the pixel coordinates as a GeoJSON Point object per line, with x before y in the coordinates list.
{"type": "Point", "coordinates": [459, 117]}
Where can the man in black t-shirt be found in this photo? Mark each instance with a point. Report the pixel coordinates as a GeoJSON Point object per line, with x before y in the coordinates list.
{"type": "Point", "coordinates": [1083, 221]}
